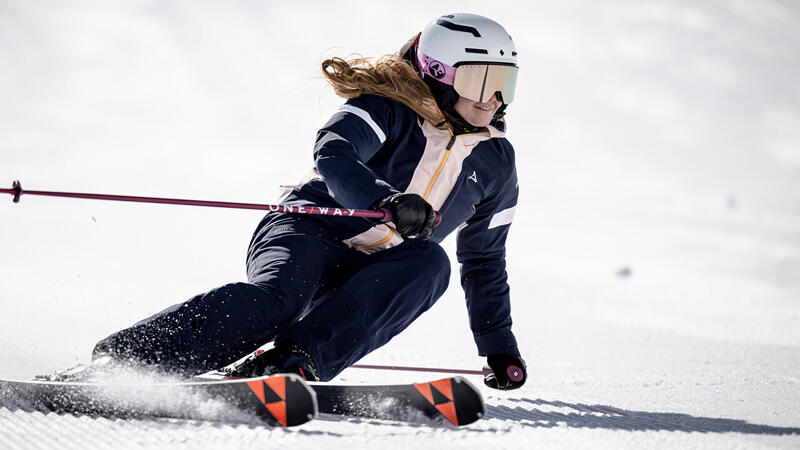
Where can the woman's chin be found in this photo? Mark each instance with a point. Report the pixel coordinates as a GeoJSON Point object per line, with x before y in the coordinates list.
{"type": "Point", "coordinates": [483, 123]}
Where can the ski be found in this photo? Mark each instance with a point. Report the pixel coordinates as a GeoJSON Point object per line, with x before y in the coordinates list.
{"type": "Point", "coordinates": [279, 400]}
{"type": "Point", "coordinates": [451, 400]}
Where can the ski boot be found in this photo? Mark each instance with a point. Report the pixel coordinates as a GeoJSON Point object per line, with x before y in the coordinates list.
{"type": "Point", "coordinates": [280, 359]}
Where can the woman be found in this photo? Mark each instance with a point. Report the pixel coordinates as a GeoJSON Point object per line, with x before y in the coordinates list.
{"type": "Point", "coordinates": [421, 131]}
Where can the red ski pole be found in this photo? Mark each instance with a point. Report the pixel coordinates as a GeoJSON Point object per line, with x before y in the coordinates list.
{"type": "Point", "coordinates": [384, 215]}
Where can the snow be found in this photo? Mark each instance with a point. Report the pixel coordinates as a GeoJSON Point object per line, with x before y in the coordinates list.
{"type": "Point", "coordinates": [654, 258]}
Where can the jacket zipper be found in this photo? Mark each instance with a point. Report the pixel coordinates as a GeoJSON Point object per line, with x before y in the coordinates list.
{"type": "Point", "coordinates": [441, 166]}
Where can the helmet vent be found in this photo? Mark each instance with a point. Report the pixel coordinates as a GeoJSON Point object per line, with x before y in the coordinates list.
{"type": "Point", "coordinates": [457, 27]}
{"type": "Point", "coordinates": [481, 51]}
{"type": "Point", "coordinates": [513, 53]}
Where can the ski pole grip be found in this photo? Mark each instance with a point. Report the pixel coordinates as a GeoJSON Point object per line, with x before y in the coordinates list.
{"type": "Point", "coordinates": [389, 217]}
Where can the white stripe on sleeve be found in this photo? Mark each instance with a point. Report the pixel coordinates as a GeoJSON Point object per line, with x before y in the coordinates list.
{"type": "Point", "coordinates": [367, 118]}
{"type": "Point", "coordinates": [504, 217]}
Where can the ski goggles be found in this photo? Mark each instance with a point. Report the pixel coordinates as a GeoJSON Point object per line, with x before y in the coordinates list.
{"type": "Point", "coordinates": [475, 81]}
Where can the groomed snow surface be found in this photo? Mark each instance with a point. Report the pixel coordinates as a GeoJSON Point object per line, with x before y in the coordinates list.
{"type": "Point", "coordinates": [654, 259]}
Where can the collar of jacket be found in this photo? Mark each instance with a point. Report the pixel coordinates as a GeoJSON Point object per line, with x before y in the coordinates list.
{"type": "Point", "coordinates": [495, 130]}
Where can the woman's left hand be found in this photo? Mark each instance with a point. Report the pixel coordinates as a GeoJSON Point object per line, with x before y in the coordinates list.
{"type": "Point", "coordinates": [506, 372]}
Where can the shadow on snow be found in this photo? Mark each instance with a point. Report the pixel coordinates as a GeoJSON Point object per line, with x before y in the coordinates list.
{"type": "Point", "coordinates": [539, 413]}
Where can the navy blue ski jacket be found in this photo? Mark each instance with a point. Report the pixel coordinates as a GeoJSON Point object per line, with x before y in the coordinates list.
{"type": "Point", "coordinates": [375, 146]}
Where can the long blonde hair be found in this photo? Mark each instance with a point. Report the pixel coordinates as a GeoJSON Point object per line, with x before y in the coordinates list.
{"type": "Point", "coordinates": [388, 76]}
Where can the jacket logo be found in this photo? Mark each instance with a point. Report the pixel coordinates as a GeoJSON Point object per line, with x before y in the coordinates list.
{"type": "Point", "coordinates": [473, 177]}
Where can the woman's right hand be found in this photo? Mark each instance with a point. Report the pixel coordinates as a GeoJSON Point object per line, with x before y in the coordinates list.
{"type": "Point", "coordinates": [413, 216]}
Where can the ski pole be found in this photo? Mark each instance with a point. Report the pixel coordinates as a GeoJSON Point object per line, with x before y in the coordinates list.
{"type": "Point", "coordinates": [383, 214]}
{"type": "Point", "coordinates": [421, 369]}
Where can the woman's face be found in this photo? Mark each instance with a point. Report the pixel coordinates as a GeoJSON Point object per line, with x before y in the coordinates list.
{"type": "Point", "coordinates": [477, 114]}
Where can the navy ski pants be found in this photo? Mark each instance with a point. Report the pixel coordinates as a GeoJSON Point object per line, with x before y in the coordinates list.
{"type": "Point", "coordinates": [304, 287]}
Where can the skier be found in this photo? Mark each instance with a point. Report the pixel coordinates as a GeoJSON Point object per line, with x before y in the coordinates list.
{"type": "Point", "coordinates": [420, 131]}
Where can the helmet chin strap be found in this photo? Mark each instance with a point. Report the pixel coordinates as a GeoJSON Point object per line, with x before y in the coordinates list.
{"type": "Point", "coordinates": [498, 116]}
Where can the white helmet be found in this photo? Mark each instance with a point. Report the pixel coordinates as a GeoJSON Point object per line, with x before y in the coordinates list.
{"type": "Point", "coordinates": [471, 53]}
{"type": "Point", "coordinates": [459, 38]}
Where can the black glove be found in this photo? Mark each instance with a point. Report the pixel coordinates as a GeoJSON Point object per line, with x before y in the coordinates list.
{"type": "Point", "coordinates": [413, 216]}
{"type": "Point", "coordinates": [505, 372]}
